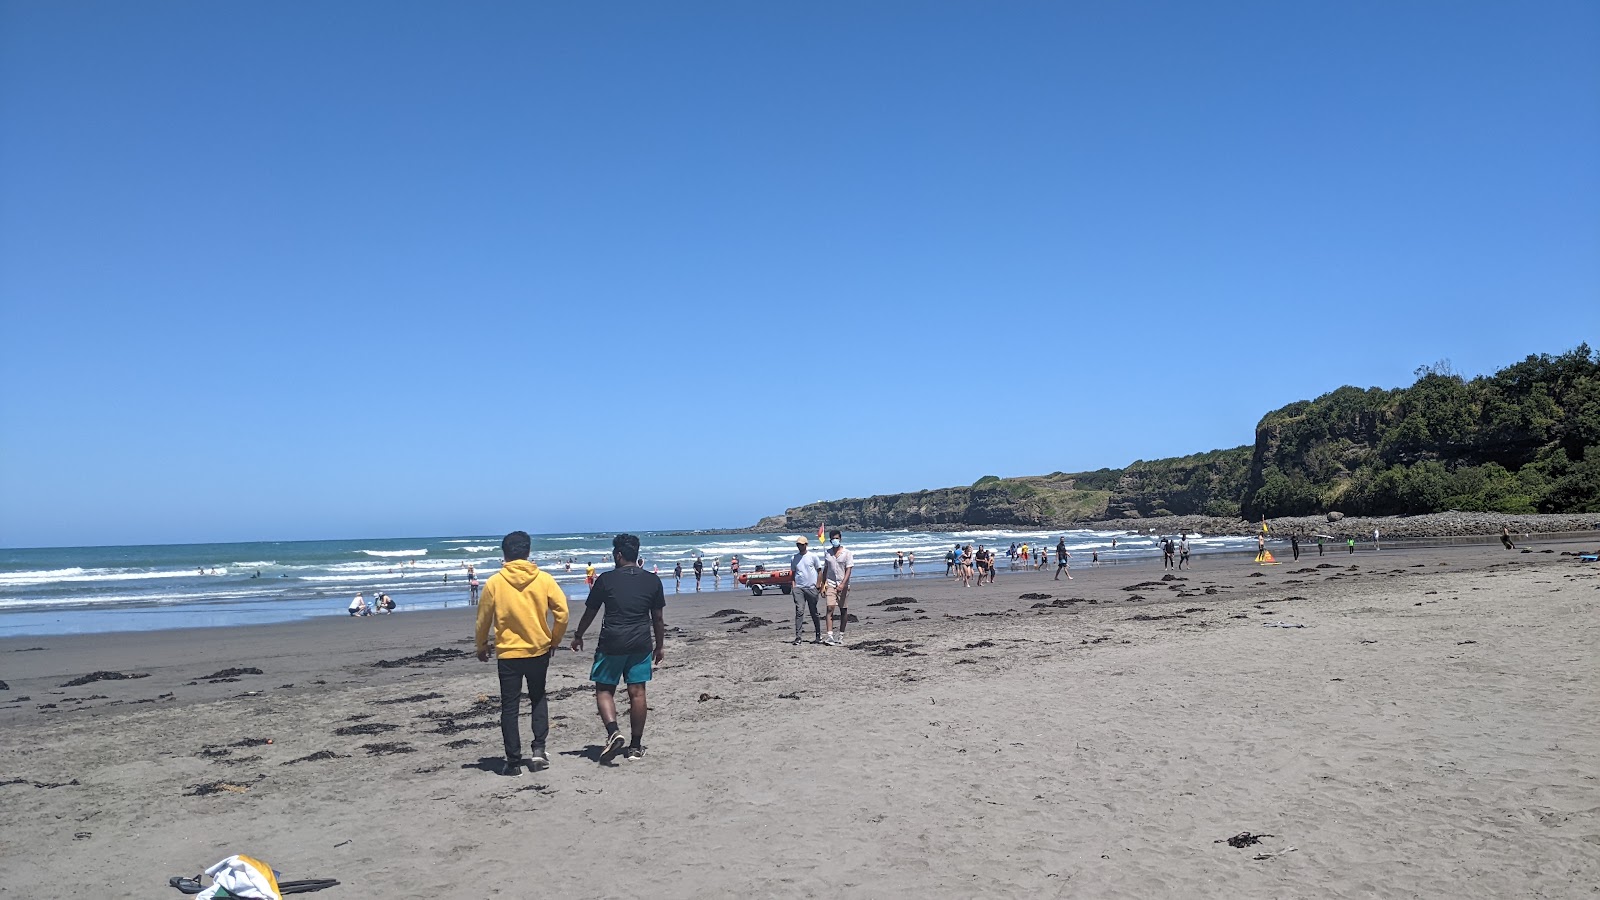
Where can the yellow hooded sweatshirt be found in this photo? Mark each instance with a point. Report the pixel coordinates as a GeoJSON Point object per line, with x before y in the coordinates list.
{"type": "Point", "coordinates": [520, 602]}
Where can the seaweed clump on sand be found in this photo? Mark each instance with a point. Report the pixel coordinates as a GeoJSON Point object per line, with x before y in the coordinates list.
{"type": "Point", "coordinates": [364, 728]}
{"type": "Point", "coordinates": [437, 654]}
{"type": "Point", "coordinates": [92, 677]}
{"type": "Point", "coordinates": [318, 756]}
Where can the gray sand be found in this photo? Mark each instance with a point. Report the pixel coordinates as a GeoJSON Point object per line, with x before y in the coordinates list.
{"type": "Point", "coordinates": [1433, 732]}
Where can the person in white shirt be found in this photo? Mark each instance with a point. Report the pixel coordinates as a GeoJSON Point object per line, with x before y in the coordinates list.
{"type": "Point", "coordinates": [806, 567]}
{"type": "Point", "coordinates": [358, 606]}
{"type": "Point", "coordinates": [837, 565]}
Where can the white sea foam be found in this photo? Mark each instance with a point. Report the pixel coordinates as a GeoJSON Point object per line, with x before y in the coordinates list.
{"type": "Point", "coordinates": [422, 552]}
{"type": "Point", "coordinates": [485, 548]}
{"type": "Point", "coordinates": [258, 564]}
{"type": "Point", "coordinates": [75, 575]}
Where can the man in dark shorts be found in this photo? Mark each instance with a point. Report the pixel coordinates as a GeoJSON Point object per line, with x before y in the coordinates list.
{"type": "Point", "coordinates": [527, 611]}
{"type": "Point", "coordinates": [699, 569]}
{"type": "Point", "coordinates": [632, 637]}
{"type": "Point", "coordinates": [1062, 557]}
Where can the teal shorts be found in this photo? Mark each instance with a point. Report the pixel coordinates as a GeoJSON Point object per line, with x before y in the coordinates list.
{"type": "Point", "coordinates": [634, 668]}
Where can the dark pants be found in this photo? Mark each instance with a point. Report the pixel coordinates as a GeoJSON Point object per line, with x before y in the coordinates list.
{"type": "Point", "coordinates": [512, 672]}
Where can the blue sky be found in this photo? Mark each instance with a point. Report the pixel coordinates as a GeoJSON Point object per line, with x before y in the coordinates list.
{"type": "Point", "coordinates": [279, 271]}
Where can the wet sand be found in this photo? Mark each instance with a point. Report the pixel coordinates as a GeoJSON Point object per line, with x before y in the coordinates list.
{"type": "Point", "coordinates": [1433, 731]}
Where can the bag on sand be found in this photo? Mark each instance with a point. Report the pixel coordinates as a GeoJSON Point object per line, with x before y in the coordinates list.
{"type": "Point", "coordinates": [247, 878]}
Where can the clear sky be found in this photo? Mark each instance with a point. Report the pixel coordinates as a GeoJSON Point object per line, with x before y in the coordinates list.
{"type": "Point", "coordinates": [279, 271]}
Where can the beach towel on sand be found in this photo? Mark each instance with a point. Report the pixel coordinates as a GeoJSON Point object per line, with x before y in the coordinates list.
{"type": "Point", "coordinates": [241, 876]}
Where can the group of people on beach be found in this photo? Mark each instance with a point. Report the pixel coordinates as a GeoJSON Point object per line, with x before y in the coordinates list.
{"type": "Point", "coordinates": [821, 588]}
{"type": "Point", "coordinates": [525, 611]}
{"type": "Point", "coordinates": [381, 603]}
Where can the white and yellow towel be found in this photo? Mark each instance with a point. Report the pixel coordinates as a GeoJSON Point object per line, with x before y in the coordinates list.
{"type": "Point", "coordinates": [242, 876]}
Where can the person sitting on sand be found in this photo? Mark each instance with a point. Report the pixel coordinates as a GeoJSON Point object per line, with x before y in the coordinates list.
{"type": "Point", "coordinates": [632, 600]}
{"type": "Point", "coordinates": [527, 611]}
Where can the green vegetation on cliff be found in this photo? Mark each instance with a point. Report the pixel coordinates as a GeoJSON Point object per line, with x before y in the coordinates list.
{"type": "Point", "coordinates": [1518, 441]}
{"type": "Point", "coordinates": [1521, 440]}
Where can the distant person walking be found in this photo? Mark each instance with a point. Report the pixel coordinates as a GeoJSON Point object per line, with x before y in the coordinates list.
{"type": "Point", "coordinates": [699, 569]}
{"type": "Point", "coordinates": [677, 577]}
{"type": "Point", "coordinates": [1350, 544]}
{"type": "Point", "coordinates": [806, 567]}
{"type": "Point", "coordinates": [1320, 548]}
{"type": "Point", "coordinates": [473, 587]}
{"type": "Point", "coordinates": [838, 563]}
{"type": "Point", "coordinates": [1166, 553]}
{"type": "Point", "coordinates": [1294, 544]}
{"type": "Point", "coordinates": [911, 563]}
{"type": "Point", "coordinates": [633, 636]}
{"type": "Point", "coordinates": [1063, 559]}
{"type": "Point", "coordinates": [1375, 540]}
{"type": "Point", "coordinates": [1183, 551]}
{"type": "Point", "coordinates": [1505, 537]}
{"type": "Point", "coordinates": [526, 610]}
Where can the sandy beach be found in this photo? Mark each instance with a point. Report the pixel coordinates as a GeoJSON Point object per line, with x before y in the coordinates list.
{"type": "Point", "coordinates": [1432, 731]}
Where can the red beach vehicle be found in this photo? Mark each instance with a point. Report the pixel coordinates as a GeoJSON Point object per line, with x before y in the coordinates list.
{"type": "Point", "coordinates": [761, 579]}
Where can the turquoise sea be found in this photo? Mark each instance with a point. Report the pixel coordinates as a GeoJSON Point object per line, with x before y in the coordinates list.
{"type": "Point", "coordinates": [82, 589]}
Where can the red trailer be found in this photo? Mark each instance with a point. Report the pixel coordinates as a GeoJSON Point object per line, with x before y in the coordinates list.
{"type": "Point", "coordinates": [761, 579]}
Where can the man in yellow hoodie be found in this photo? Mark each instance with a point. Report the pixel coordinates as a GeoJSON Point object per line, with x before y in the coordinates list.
{"type": "Point", "coordinates": [528, 613]}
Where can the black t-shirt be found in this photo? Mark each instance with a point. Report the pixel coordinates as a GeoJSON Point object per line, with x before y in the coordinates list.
{"type": "Point", "coordinates": [628, 595]}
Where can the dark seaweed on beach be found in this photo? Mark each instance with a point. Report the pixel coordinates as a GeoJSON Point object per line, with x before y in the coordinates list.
{"type": "Point", "coordinates": [1034, 597]}
{"type": "Point", "coordinates": [41, 785]}
{"type": "Point", "coordinates": [239, 760]}
{"type": "Point", "coordinates": [364, 728]}
{"type": "Point", "coordinates": [437, 654]}
{"type": "Point", "coordinates": [233, 674]}
{"type": "Point", "coordinates": [1143, 584]}
{"type": "Point", "coordinates": [387, 749]}
{"type": "Point", "coordinates": [27, 649]}
{"type": "Point", "coordinates": [979, 645]}
{"type": "Point", "coordinates": [1141, 617]}
{"type": "Point", "coordinates": [464, 742]}
{"type": "Point", "coordinates": [92, 677]}
{"type": "Point", "coordinates": [1059, 602]}
{"type": "Point", "coordinates": [564, 693]}
{"type": "Point", "coordinates": [726, 612]}
{"type": "Point", "coordinates": [207, 788]}
{"type": "Point", "coordinates": [318, 756]}
{"type": "Point", "coordinates": [755, 622]}
{"type": "Point", "coordinates": [451, 726]}
{"type": "Point", "coordinates": [414, 698]}
{"type": "Point", "coordinates": [1242, 839]}
{"type": "Point", "coordinates": [4, 686]}
{"type": "Point", "coordinates": [895, 608]}
{"type": "Point", "coordinates": [885, 647]}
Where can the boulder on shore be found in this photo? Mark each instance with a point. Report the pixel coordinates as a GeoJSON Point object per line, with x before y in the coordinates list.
{"type": "Point", "coordinates": [1335, 516]}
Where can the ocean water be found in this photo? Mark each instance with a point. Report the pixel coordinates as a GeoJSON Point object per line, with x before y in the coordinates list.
{"type": "Point", "coordinates": [86, 589]}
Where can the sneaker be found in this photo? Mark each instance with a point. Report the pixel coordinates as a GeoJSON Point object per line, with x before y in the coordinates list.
{"type": "Point", "coordinates": [511, 770]}
{"type": "Point", "coordinates": [796, 642]}
{"type": "Point", "coordinates": [538, 760]}
{"type": "Point", "coordinates": [633, 753]}
{"type": "Point", "coordinates": [614, 743]}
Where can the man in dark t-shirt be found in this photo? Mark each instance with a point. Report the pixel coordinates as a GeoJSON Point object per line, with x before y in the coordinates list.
{"type": "Point", "coordinates": [632, 636]}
